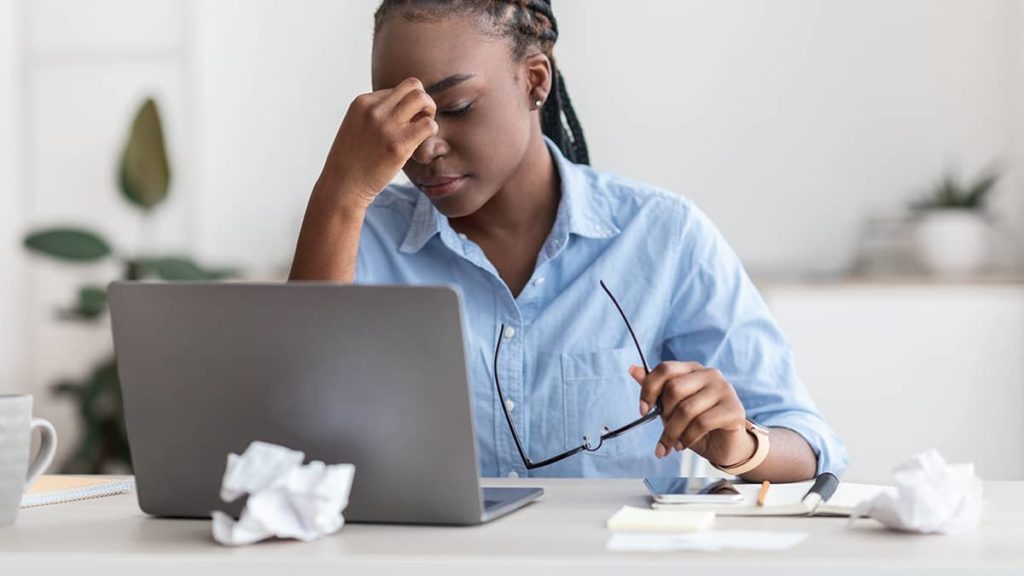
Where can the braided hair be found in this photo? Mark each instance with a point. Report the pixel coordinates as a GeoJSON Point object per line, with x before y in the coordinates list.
{"type": "Point", "coordinates": [528, 23]}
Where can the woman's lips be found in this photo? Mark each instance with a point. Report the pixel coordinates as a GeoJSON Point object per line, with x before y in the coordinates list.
{"type": "Point", "coordinates": [440, 186]}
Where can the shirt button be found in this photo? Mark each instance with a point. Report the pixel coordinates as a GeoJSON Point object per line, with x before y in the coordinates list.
{"type": "Point", "coordinates": [513, 474]}
{"type": "Point", "coordinates": [463, 236]}
{"type": "Point", "coordinates": [509, 332]}
{"type": "Point", "coordinates": [510, 405]}
{"type": "Point", "coordinates": [538, 281]}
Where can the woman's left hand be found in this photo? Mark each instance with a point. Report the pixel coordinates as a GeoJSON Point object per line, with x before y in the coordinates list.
{"type": "Point", "coordinates": [700, 411]}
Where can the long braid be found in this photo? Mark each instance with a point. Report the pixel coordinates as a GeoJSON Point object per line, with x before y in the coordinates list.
{"type": "Point", "coordinates": [558, 119]}
{"type": "Point", "coordinates": [529, 23]}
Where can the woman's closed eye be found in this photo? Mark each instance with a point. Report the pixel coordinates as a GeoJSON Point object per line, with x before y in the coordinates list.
{"type": "Point", "coordinates": [457, 111]}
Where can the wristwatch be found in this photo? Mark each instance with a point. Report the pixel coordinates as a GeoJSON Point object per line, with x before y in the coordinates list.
{"type": "Point", "coordinates": [760, 452]}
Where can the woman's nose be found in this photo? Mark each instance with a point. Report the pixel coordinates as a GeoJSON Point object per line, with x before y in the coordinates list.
{"type": "Point", "coordinates": [430, 149]}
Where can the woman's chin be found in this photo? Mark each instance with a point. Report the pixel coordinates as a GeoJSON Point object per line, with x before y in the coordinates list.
{"type": "Point", "coordinates": [457, 206]}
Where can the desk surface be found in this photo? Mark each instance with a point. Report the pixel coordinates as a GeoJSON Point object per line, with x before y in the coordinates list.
{"type": "Point", "coordinates": [563, 531]}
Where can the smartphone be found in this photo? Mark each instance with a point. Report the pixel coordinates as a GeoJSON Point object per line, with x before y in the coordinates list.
{"type": "Point", "coordinates": [669, 490]}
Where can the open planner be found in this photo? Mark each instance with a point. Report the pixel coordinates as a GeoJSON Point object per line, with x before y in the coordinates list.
{"type": "Point", "coordinates": [785, 500]}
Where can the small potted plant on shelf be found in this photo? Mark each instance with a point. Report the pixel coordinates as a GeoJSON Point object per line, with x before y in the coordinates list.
{"type": "Point", "coordinates": [953, 232]}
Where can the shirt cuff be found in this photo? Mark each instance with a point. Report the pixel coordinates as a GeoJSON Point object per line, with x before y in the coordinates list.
{"type": "Point", "coordinates": [828, 448]}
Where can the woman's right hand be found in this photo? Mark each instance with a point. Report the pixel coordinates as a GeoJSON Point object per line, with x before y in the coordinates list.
{"type": "Point", "coordinates": [379, 134]}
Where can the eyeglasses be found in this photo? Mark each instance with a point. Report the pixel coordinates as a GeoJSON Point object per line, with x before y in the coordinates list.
{"type": "Point", "coordinates": [587, 445]}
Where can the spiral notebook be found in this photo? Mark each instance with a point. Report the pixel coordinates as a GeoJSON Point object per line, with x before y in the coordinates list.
{"type": "Point", "coordinates": [55, 489]}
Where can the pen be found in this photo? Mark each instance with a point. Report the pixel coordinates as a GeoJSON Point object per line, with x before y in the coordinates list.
{"type": "Point", "coordinates": [824, 487]}
{"type": "Point", "coordinates": [764, 493]}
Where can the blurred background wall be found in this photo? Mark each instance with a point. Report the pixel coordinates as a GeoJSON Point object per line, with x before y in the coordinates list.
{"type": "Point", "coordinates": [788, 121]}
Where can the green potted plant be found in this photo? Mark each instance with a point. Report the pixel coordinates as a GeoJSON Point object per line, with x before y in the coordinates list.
{"type": "Point", "coordinates": [144, 176]}
{"type": "Point", "coordinates": [953, 234]}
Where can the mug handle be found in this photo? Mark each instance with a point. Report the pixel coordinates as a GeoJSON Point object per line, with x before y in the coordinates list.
{"type": "Point", "coordinates": [47, 448]}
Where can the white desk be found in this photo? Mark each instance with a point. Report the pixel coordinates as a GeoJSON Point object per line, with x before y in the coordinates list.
{"type": "Point", "coordinates": [562, 534]}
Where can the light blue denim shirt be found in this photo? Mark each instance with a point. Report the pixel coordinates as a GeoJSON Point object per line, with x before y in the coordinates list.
{"type": "Point", "coordinates": [565, 355]}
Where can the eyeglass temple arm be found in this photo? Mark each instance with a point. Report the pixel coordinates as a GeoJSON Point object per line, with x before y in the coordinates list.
{"type": "Point", "coordinates": [647, 369]}
{"type": "Point", "coordinates": [530, 464]}
{"type": "Point", "coordinates": [501, 397]}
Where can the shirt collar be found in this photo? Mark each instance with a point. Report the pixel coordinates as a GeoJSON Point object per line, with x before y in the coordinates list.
{"type": "Point", "coordinates": [426, 221]}
{"type": "Point", "coordinates": [578, 211]}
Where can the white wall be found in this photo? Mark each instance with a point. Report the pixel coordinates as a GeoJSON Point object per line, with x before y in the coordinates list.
{"type": "Point", "coordinates": [786, 120]}
{"type": "Point", "coordinates": [898, 369]}
{"type": "Point", "coordinates": [12, 360]}
{"type": "Point", "coordinates": [274, 80]}
{"type": "Point", "coordinates": [84, 69]}
{"type": "Point", "coordinates": [1017, 96]}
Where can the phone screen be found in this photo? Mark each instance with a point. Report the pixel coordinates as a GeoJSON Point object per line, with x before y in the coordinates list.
{"type": "Point", "coordinates": [665, 486]}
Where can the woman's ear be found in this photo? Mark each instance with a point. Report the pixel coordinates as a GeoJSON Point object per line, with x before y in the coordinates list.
{"type": "Point", "coordinates": [538, 79]}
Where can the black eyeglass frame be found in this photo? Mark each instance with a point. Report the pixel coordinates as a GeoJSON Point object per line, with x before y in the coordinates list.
{"type": "Point", "coordinates": [608, 433]}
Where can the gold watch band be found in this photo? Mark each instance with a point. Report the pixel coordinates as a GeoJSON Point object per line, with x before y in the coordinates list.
{"type": "Point", "coordinates": [763, 444]}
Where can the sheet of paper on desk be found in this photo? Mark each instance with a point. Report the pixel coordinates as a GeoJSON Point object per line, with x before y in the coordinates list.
{"type": "Point", "coordinates": [707, 541]}
{"type": "Point", "coordinates": [630, 519]}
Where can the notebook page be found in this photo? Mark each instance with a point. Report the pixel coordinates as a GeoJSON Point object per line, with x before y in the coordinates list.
{"type": "Point", "coordinates": [784, 500]}
{"type": "Point", "coordinates": [53, 489]}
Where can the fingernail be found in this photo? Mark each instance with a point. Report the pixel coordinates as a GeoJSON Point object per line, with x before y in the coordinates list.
{"type": "Point", "coordinates": [679, 445]}
{"type": "Point", "coordinates": [644, 408]}
{"type": "Point", "coordinates": [660, 451]}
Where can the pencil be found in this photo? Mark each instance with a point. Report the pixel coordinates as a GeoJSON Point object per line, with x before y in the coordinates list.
{"type": "Point", "coordinates": [764, 492]}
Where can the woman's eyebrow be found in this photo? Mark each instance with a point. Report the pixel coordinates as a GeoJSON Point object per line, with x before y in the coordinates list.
{"type": "Point", "coordinates": [449, 82]}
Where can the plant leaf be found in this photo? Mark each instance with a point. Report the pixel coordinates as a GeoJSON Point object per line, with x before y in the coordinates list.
{"type": "Point", "coordinates": [92, 302]}
{"type": "Point", "coordinates": [66, 388]}
{"type": "Point", "coordinates": [951, 192]}
{"type": "Point", "coordinates": [177, 269]}
{"type": "Point", "coordinates": [145, 172]}
{"type": "Point", "coordinates": [981, 187]}
{"type": "Point", "coordinates": [102, 443]}
{"type": "Point", "coordinates": [69, 244]}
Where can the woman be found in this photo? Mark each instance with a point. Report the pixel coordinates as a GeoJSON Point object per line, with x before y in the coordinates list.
{"type": "Point", "coordinates": [468, 102]}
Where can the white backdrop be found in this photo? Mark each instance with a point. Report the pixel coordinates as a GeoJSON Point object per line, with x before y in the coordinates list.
{"type": "Point", "coordinates": [787, 120]}
{"type": "Point", "coordinates": [12, 285]}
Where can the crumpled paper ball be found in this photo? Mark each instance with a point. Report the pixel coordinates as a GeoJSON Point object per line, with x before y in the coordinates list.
{"type": "Point", "coordinates": [931, 497]}
{"type": "Point", "coordinates": [286, 498]}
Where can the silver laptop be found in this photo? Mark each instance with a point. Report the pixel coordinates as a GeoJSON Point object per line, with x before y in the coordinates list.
{"type": "Point", "coordinates": [370, 375]}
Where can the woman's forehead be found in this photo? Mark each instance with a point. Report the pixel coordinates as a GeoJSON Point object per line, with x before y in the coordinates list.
{"type": "Point", "coordinates": [435, 50]}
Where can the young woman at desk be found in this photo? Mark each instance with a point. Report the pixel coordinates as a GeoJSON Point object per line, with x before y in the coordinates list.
{"type": "Point", "coordinates": [469, 102]}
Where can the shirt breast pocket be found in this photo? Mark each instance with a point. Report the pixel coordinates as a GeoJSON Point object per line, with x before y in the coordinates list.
{"type": "Point", "coordinates": [600, 392]}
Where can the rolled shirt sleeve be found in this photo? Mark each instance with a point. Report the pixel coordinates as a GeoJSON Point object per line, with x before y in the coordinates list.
{"type": "Point", "coordinates": [718, 318]}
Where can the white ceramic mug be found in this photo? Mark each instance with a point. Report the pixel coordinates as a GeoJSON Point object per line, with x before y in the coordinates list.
{"type": "Point", "coordinates": [16, 472]}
